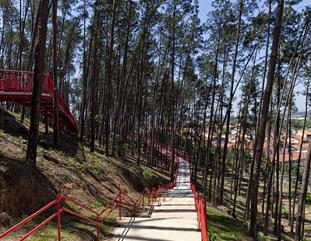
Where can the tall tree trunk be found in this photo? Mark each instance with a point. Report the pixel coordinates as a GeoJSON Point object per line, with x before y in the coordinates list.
{"type": "Point", "coordinates": [21, 45]}
{"type": "Point", "coordinates": [234, 64]}
{"type": "Point", "coordinates": [121, 89]}
{"type": "Point", "coordinates": [109, 75]}
{"type": "Point", "coordinates": [84, 77]}
{"type": "Point", "coordinates": [302, 196]}
{"type": "Point", "coordinates": [264, 118]}
{"type": "Point", "coordinates": [300, 151]}
{"type": "Point", "coordinates": [211, 123]}
{"type": "Point", "coordinates": [172, 93]}
{"type": "Point", "coordinates": [94, 74]}
{"type": "Point", "coordinates": [37, 83]}
{"type": "Point", "coordinates": [290, 162]}
{"type": "Point", "coordinates": [55, 64]}
{"type": "Point", "coordinates": [220, 125]}
{"type": "Point", "coordinates": [276, 145]}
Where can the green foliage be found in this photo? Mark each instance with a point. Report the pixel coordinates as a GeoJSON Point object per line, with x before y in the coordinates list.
{"type": "Point", "coordinates": [230, 158]}
{"type": "Point", "coordinates": [150, 176]}
{"type": "Point", "coordinates": [298, 124]}
{"type": "Point", "coordinates": [262, 237]}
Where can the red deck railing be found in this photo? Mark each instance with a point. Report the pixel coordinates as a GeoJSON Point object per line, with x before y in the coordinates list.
{"type": "Point", "coordinates": [22, 81]}
{"type": "Point", "coordinates": [17, 86]}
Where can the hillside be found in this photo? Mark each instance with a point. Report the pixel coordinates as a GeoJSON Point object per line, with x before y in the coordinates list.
{"type": "Point", "coordinates": [92, 178]}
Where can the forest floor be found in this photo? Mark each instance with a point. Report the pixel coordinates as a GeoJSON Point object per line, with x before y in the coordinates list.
{"type": "Point", "coordinates": [91, 178]}
{"type": "Point", "coordinates": [222, 226]}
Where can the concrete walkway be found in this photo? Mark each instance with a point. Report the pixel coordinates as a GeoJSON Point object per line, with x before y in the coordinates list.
{"type": "Point", "coordinates": [173, 218]}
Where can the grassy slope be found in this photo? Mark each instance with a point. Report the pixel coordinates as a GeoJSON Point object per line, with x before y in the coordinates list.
{"type": "Point", "coordinates": [92, 178]}
{"type": "Point", "coordinates": [221, 225]}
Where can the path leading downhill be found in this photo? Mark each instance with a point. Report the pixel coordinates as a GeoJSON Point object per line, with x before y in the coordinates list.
{"type": "Point", "coordinates": [173, 218]}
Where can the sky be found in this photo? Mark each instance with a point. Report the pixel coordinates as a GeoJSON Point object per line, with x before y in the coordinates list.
{"type": "Point", "coordinates": [206, 7]}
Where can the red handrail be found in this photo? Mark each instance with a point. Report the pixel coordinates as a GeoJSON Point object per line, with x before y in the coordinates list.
{"type": "Point", "coordinates": [165, 148]}
{"type": "Point", "coordinates": [64, 108]}
{"type": "Point", "coordinates": [200, 207]}
{"type": "Point", "coordinates": [123, 199]}
{"type": "Point", "coordinates": [59, 210]}
{"type": "Point", "coordinates": [26, 220]}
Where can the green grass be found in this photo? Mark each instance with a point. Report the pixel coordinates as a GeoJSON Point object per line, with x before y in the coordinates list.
{"type": "Point", "coordinates": [149, 175]}
{"type": "Point", "coordinates": [76, 232]}
{"type": "Point", "coordinates": [51, 234]}
{"type": "Point", "coordinates": [262, 237]}
{"type": "Point", "coordinates": [223, 227]}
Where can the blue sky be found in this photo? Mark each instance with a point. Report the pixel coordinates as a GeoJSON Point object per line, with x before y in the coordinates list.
{"type": "Point", "coordinates": [205, 7]}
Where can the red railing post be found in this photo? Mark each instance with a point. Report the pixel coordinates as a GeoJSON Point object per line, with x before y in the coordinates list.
{"type": "Point", "coordinates": [203, 220]}
{"type": "Point", "coordinates": [59, 212]}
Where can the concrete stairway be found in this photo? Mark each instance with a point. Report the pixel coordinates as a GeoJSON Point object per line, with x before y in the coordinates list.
{"type": "Point", "coordinates": [173, 218]}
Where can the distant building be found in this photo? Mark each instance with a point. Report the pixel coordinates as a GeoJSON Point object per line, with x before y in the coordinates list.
{"type": "Point", "coordinates": [294, 157]}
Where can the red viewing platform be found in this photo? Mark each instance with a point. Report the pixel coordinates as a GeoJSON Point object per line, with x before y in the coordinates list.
{"type": "Point", "coordinates": [17, 86]}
